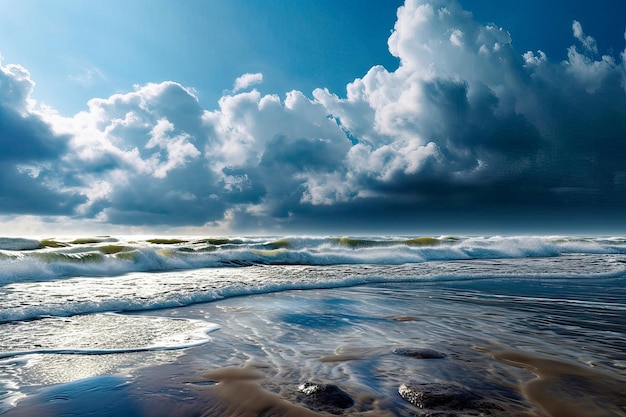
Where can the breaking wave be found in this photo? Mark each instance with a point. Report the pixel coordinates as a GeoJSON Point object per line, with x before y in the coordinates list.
{"type": "Point", "coordinates": [23, 259]}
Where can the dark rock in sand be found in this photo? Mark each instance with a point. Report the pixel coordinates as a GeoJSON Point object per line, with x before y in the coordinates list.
{"type": "Point", "coordinates": [325, 397]}
{"type": "Point", "coordinates": [419, 353]}
{"type": "Point", "coordinates": [445, 399]}
{"type": "Point", "coordinates": [436, 395]}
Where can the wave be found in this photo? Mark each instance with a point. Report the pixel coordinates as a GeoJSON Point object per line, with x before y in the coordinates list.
{"type": "Point", "coordinates": [142, 291]}
{"type": "Point", "coordinates": [23, 259]}
{"type": "Point", "coordinates": [10, 243]}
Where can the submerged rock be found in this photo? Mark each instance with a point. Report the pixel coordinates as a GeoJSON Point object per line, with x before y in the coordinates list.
{"type": "Point", "coordinates": [419, 353]}
{"type": "Point", "coordinates": [445, 399]}
{"type": "Point", "coordinates": [436, 395]}
{"type": "Point", "coordinates": [404, 318]}
{"type": "Point", "coordinates": [325, 397]}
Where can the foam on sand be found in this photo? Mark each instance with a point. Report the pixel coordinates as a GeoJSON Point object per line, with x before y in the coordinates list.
{"type": "Point", "coordinates": [100, 334]}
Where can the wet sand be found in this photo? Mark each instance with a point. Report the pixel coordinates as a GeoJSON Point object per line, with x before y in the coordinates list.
{"type": "Point", "coordinates": [510, 360]}
{"type": "Point", "coordinates": [564, 389]}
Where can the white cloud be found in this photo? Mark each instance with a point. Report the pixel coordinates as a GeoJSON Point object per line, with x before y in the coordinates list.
{"type": "Point", "coordinates": [247, 80]}
{"type": "Point", "coordinates": [147, 146]}
{"type": "Point", "coordinates": [16, 87]}
{"type": "Point", "coordinates": [327, 189]}
{"type": "Point", "coordinates": [588, 42]}
{"type": "Point", "coordinates": [456, 38]}
{"type": "Point", "coordinates": [531, 59]}
{"type": "Point", "coordinates": [245, 124]}
{"type": "Point", "coordinates": [587, 71]}
{"type": "Point", "coordinates": [178, 150]}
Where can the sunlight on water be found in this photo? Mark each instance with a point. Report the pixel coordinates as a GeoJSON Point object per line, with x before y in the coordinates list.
{"type": "Point", "coordinates": [101, 333]}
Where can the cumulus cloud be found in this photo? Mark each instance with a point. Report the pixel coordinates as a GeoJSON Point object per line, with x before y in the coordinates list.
{"type": "Point", "coordinates": [465, 123]}
{"type": "Point", "coordinates": [247, 80]}
{"type": "Point", "coordinates": [155, 156]}
{"type": "Point", "coordinates": [29, 181]}
{"type": "Point", "coordinates": [146, 153]}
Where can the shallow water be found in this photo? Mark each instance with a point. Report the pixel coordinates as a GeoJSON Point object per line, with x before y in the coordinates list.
{"type": "Point", "coordinates": [532, 355]}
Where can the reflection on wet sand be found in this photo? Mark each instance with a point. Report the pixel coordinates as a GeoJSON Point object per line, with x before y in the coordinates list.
{"type": "Point", "coordinates": [564, 389]}
{"type": "Point", "coordinates": [367, 351]}
{"type": "Point", "coordinates": [238, 394]}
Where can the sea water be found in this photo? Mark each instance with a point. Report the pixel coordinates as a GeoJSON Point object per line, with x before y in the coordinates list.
{"type": "Point", "coordinates": [102, 326]}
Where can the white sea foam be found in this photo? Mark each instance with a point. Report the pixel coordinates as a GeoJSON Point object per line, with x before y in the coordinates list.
{"type": "Point", "coordinates": [21, 261]}
{"type": "Point", "coordinates": [144, 291]}
{"type": "Point", "coordinates": [83, 346]}
{"type": "Point", "coordinates": [101, 334]}
{"type": "Point", "coordinates": [80, 276]}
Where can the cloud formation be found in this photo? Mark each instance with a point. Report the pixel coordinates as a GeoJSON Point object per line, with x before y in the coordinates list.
{"type": "Point", "coordinates": [247, 80]}
{"type": "Point", "coordinates": [465, 123]}
{"type": "Point", "coordinates": [29, 180]}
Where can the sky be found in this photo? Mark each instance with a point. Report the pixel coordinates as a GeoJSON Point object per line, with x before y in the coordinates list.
{"type": "Point", "coordinates": [315, 116]}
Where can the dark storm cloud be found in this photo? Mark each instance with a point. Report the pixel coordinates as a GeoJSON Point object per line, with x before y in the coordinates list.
{"type": "Point", "coordinates": [27, 138]}
{"type": "Point", "coordinates": [469, 124]}
{"type": "Point", "coordinates": [30, 149]}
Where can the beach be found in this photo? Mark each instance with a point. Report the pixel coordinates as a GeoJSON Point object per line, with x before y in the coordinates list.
{"type": "Point", "coordinates": [292, 208]}
{"type": "Point", "coordinates": [502, 334]}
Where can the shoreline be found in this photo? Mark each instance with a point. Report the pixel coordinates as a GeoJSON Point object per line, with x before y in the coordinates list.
{"type": "Point", "coordinates": [270, 344]}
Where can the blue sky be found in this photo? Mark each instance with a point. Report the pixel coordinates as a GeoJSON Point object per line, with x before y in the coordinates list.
{"type": "Point", "coordinates": [77, 50]}
{"type": "Point", "coordinates": [312, 116]}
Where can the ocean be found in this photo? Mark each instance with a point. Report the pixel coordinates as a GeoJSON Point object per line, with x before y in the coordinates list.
{"type": "Point", "coordinates": [313, 326]}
